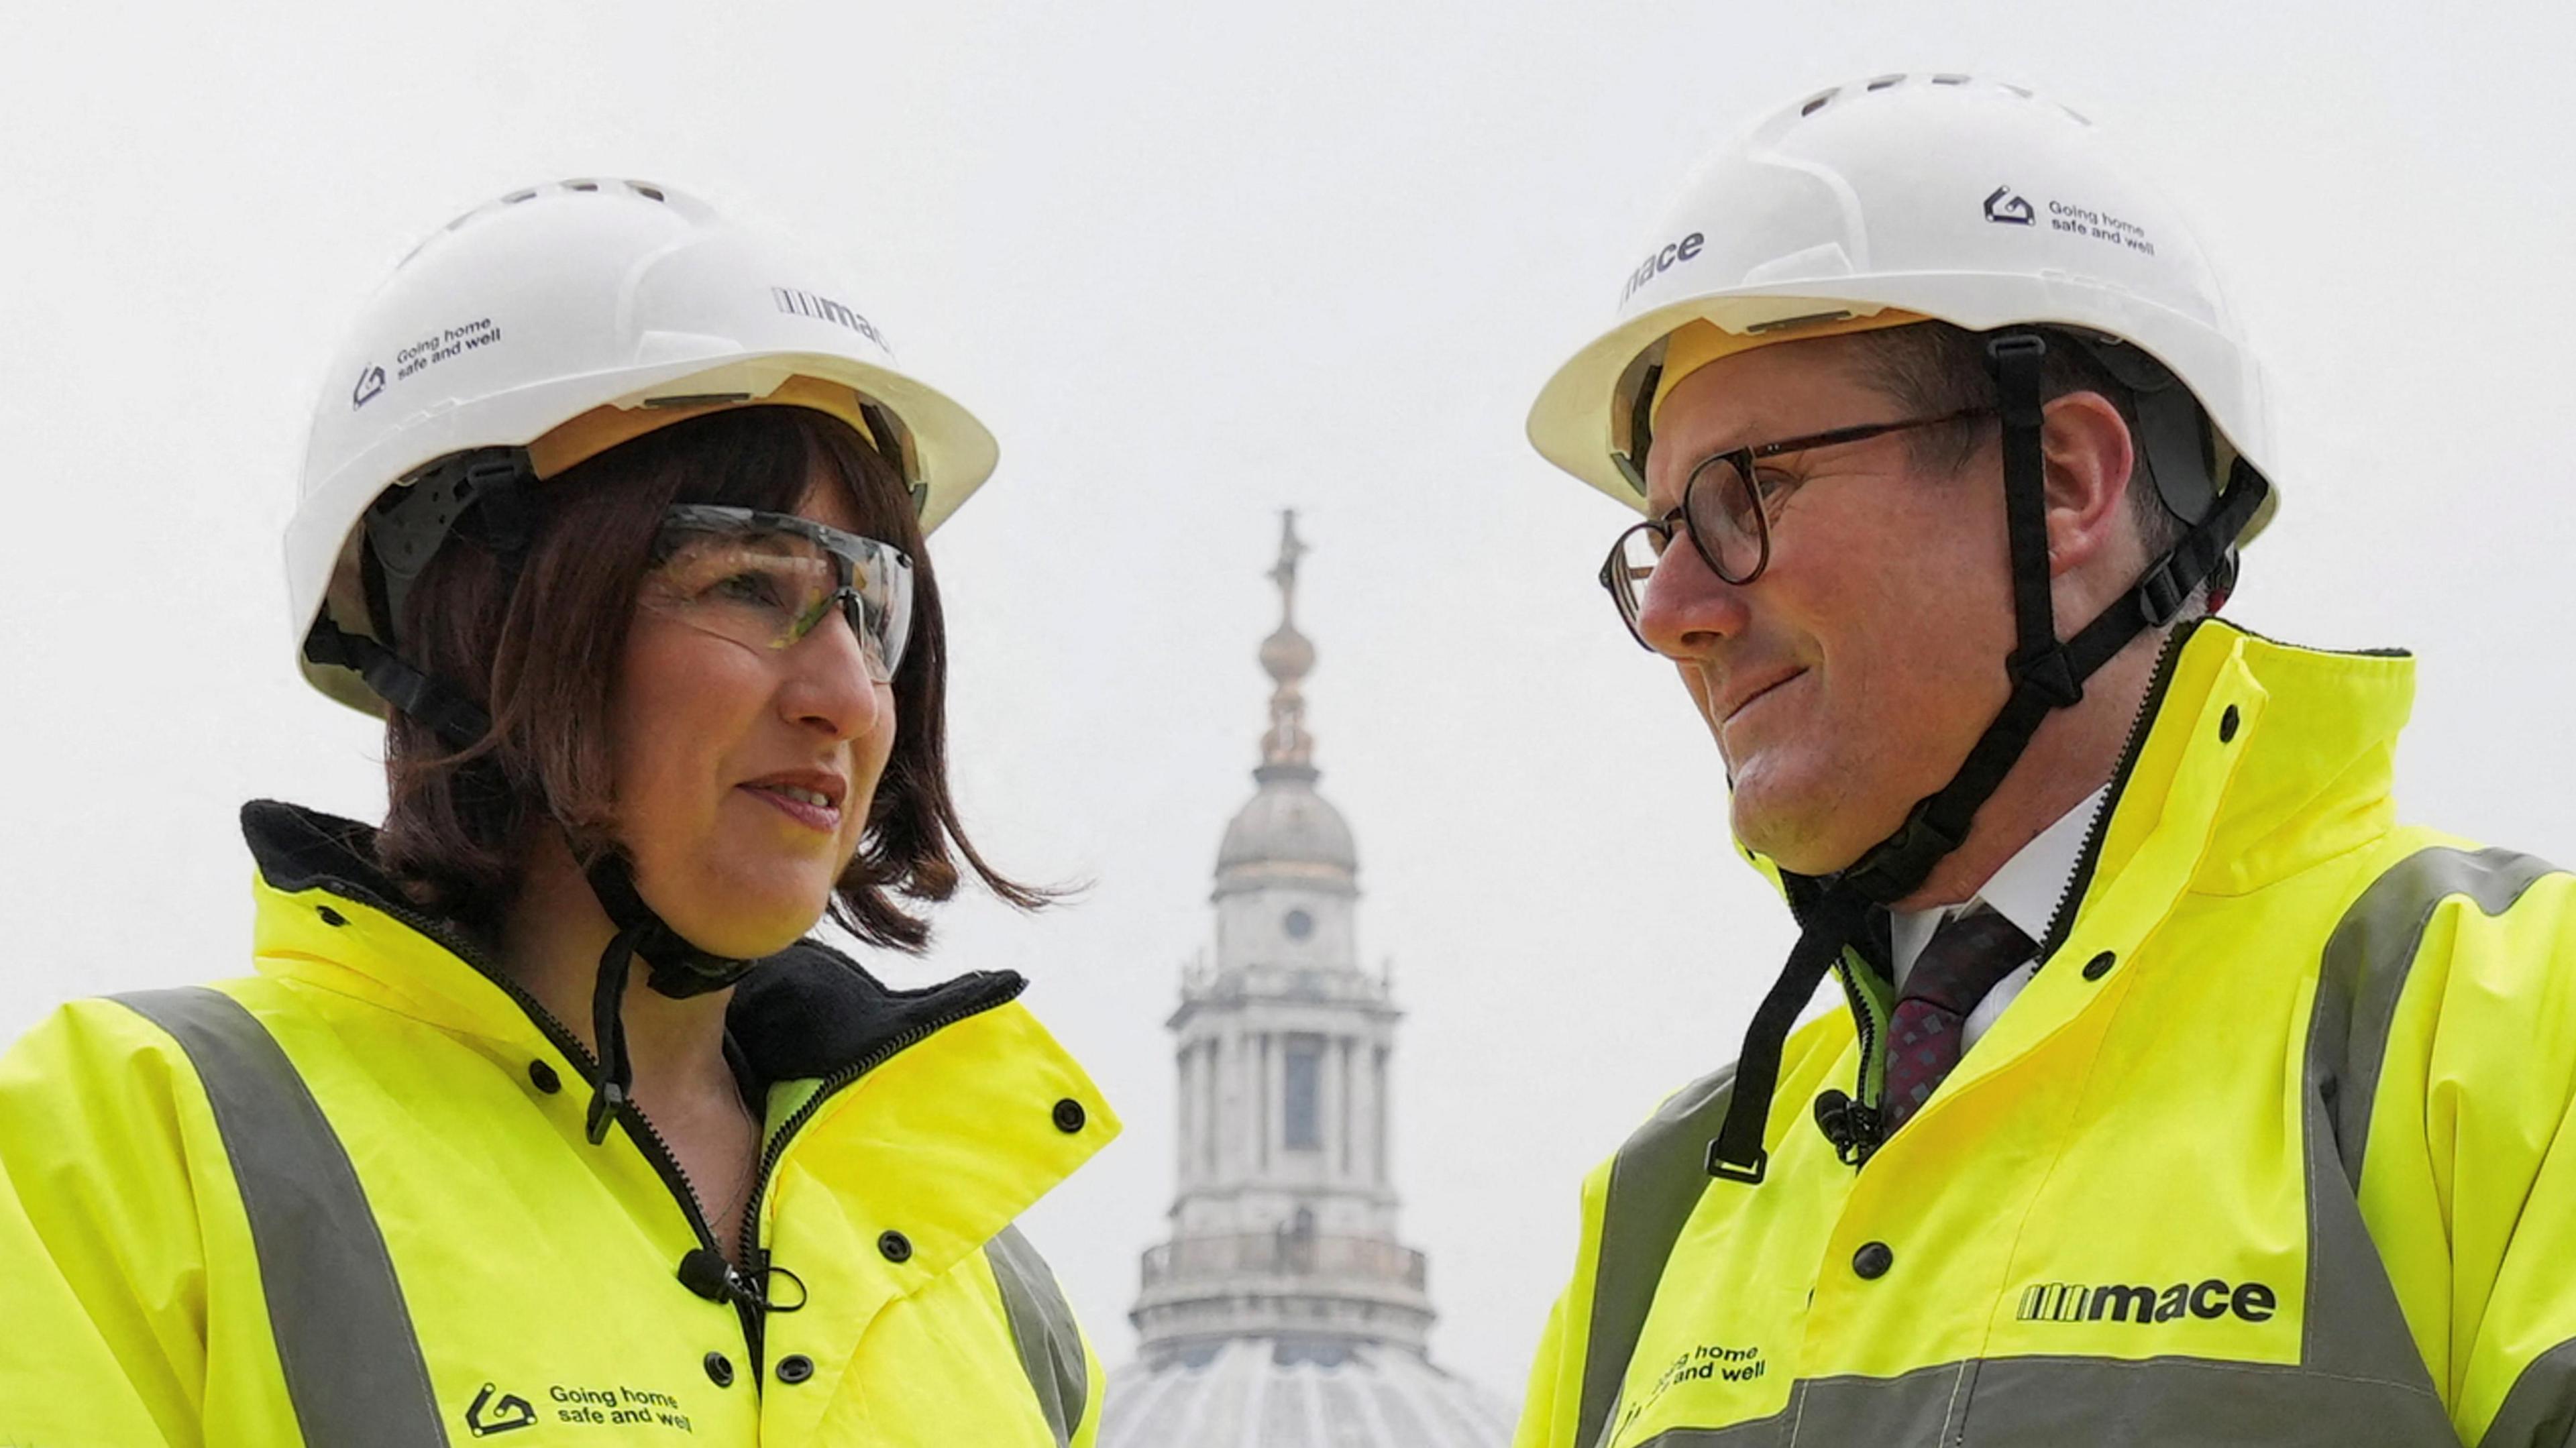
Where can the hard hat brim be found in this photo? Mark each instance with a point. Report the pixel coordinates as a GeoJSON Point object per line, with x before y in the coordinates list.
{"type": "Point", "coordinates": [1571, 420]}
{"type": "Point", "coordinates": [954, 455]}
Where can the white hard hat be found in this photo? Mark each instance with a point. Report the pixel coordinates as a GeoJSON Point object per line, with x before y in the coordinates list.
{"type": "Point", "coordinates": [1943, 196]}
{"type": "Point", "coordinates": [569, 317]}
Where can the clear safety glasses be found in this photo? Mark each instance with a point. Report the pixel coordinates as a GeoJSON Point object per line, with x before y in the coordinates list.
{"type": "Point", "coordinates": [766, 580]}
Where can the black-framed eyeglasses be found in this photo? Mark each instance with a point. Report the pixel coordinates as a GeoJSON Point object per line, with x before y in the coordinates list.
{"type": "Point", "coordinates": [1727, 508]}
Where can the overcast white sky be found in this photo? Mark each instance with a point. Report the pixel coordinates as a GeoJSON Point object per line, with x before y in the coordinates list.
{"type": "Point", "coordinates": [1195, 262]}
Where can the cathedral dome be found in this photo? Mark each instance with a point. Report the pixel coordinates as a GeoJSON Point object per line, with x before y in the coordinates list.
{"type": "Point", "coordinates": [1288, 823]}
{"type": "Point", "coordinates": [1265, 1393]}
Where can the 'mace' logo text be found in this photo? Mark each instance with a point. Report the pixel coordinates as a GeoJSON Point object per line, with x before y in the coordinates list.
{"type": "Point", "coordinates": [2121, 1302]}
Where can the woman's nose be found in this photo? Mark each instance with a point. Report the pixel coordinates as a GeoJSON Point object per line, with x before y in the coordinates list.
{"type": "Point", "coordinates": [832, 683]}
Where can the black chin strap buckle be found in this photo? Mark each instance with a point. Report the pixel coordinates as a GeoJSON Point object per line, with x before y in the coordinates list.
{"type": "Point", "coordinates": [1897, 864]}
{"type": "Point", "coordinates": [2049, 674]}
{"type": "Point", "coordinates": [456, 720]}
{"type": "Point", "coordinates": [2162, 593]}
{"type": "Point", "coordinates": [1750, 1173]}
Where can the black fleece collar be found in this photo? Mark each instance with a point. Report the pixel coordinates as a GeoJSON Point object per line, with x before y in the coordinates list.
{"type": "Point", "coordinates": [807, 1011]}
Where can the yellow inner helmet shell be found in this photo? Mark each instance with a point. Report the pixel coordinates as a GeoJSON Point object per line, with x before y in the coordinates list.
{"type": "Point", "coordinates": [1698, 343]}
{"type": "Point", "coordinates": [596, 431]}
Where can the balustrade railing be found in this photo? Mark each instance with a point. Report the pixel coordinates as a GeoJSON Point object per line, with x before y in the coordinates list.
{"type": "Point", "coordinates": [1344, 1259]}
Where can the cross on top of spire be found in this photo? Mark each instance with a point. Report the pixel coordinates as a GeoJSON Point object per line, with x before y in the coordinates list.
{"type": "Point", "coordinates": [1287, 656]}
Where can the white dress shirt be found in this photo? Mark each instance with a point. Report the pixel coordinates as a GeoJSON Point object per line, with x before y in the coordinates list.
{"type": "Point", "coordinates": [2025, 891]}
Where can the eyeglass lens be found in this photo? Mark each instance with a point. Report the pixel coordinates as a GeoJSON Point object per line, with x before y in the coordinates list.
{"type": "Point", "coordinates": [1727, 527]}
{"type": "Point", "coordinates": [1726, 518]}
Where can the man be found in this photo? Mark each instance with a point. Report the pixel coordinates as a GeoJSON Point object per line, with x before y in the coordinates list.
{"type": "Point", "coordinates": [2182, 1095]}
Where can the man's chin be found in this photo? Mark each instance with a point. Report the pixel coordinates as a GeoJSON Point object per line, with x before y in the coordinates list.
{"type": "Point", "coordinates": [1790, 823]}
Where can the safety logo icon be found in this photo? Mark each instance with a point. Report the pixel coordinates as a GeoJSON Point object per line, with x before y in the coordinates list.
{"type": "Point", "coordinates": [2004, 207]}
{"type": "Point", "coordinates": [487, 1417]}
{"type": "Point", "coordinates": [370, 382]}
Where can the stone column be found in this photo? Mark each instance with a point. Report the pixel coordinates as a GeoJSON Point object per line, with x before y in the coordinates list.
{"type": "Point", "coordinates": [1185, 1127]}
{"type": "Point", "coordinates": [1377, 1133]}
{"type": "Point", "coordinates": [1346, 1121]}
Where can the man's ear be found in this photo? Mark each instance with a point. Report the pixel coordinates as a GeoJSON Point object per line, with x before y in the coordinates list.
{"type": "Point", "coordinates": [2090, 465]}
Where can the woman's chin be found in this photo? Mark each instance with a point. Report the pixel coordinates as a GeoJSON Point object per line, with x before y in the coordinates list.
{"type": "Point", "coordinates": [745, 931]}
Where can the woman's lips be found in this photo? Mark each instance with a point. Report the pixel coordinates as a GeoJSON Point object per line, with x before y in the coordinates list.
{"type": "Point", "coordinates": [822, 817]}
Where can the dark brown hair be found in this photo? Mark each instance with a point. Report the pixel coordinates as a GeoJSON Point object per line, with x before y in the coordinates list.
{"type": "Point", "coordinates": [537, 646]}
{"type": "Point", "coordinates": [1929, 368]}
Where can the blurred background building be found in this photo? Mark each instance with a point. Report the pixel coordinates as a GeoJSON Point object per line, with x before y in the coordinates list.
{"type": "Point", "coordinates": [1286, 1310]}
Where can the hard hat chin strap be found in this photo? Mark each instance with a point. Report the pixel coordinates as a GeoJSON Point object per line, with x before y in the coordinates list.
{"type": "Point", "coordinates": [678, 970]}
{"type": "Point", "coordinates": [2047, 675]}
{"type": "Point", "coordinates": [458, 721]}
{"type": "Point", "coordinates": [483, 494]}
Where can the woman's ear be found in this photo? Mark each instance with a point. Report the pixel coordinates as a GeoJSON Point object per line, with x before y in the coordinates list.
{"type": "Point", "coordinates": [2091, 462]}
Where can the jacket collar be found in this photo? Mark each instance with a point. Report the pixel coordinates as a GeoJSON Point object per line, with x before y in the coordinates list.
{"type": "Point", "coordinates": [2260, 759]}
{"type": "Point", "coordinates": [962, 1112]}
{"type": "Point", "coordinates": [328, 915]}
{"type": "Point", "coordinates": [2304, 773]}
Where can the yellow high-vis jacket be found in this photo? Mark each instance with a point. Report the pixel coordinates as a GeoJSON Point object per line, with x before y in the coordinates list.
{"type": "Point", "coordinates": [2276, 1148]}
{"type": "Point", "coordinates": [349, 1203]}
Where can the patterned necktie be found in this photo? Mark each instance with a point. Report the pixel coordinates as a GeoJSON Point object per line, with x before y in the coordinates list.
{"type": "Point", "coordinates": [1963, 961]}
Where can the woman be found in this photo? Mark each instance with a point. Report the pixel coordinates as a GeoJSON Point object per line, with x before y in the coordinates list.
{"type": "Point", "coordinates": [542, 1117]}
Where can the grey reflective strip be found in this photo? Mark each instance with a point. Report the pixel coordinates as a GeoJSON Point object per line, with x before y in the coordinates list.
{"type": "Point", "coordinates": [1042, 1328]}
{"type": "Point", "coordinates": [1655, 1181]}
{"type": "Point", "coordinates": [345, 1344]}
{"type": "Point", "coordinates": [2045, 1402]}
{"type": "Point", "coordinates": [2540, 1410]}
{"type": "Point", "coordinates": [2354, 1326]}
{"type": "Point", "coordinates": [2366, 963]}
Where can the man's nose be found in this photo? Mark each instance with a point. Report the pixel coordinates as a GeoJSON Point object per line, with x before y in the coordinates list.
{"type": "Point", "coordinates": [1686, 609]}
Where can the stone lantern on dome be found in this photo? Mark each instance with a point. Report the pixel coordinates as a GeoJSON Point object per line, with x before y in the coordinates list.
{"type": "Point", "coordinates": [1286, 1309]}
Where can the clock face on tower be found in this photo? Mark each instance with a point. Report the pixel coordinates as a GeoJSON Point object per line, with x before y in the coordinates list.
{"type": "Point", "coordinates": [1298, 924]}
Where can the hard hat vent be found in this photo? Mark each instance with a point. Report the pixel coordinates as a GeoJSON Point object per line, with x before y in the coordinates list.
{"type": "Point", "coordinates": [1876, 84]}
{"type": "Point", "coordinates": [1873, 85]}
{"type": "Point", "coordinates": [583, 185]}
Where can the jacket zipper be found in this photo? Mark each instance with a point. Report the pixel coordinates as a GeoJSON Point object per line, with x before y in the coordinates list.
{"type": "Point", "coordinates": [657, 1151]}
{"type": "Point", "coordinates": [2061, 917]}
{"type": "Point", "coordinates": [1860, 1114]}
{"type": "Point", "coordinates": [833, 1085]}
{"type": "Point", "coordinates": [2087, 855]}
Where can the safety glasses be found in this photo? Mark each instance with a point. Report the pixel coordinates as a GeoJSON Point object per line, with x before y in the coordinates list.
{"type": "Point", "coordinates": [766, 580]}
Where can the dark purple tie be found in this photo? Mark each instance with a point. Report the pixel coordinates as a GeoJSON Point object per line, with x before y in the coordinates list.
{"type": "Point", "coordinates": [1961, 963]}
